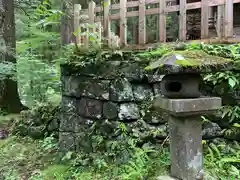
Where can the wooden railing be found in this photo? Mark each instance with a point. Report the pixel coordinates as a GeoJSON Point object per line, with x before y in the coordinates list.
{"type": "Point", "coordinates": [224, 17]}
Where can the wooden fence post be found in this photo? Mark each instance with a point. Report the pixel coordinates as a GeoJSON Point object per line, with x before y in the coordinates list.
{"type": "Point", "coordinates": [77, 28]}
{"type": "Point", "coordinates": [123, 22]}
{"type": "Point", "coordinates": [142, 22]}
{"type": "Point", "coordinates": [162, 21]}
{"type": "Point", "coordinates": [204, 19]}
{"type": "Point", "coordinates": [228, 18]}
{"type": "Point", "coordinates": [106, 21]}
{"type": "Point", "coordinates": [183, 20]}
{"type": "Point", "coordinates": [220, 21]}
{"type": "Point", "coordinates": [91, 12]}
{"type": "Point", "coordinates": [99, 31]}
{"type": "Point", "coordinates": [91, 16]}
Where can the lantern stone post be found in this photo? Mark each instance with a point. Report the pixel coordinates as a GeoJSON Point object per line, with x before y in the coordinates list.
{"type": "Point", "coordinates": [181, 99]}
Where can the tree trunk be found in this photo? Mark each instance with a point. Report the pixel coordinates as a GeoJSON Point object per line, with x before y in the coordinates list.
{"type": "Point", "coordinates": [9, 97]}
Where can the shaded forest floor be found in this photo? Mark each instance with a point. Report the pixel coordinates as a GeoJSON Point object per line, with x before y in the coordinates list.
{"type": "Point", "coordinates": [23, 157]}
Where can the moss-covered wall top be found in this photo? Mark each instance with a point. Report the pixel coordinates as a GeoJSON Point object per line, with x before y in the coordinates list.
{"type": "Point", "coordinates": [108, 91]}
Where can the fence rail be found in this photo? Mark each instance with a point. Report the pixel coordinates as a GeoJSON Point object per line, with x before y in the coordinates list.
{"type": "Point", "coordinates": [224, 17]}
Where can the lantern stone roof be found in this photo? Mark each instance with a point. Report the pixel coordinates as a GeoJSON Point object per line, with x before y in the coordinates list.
{"type": "Point", "coordinates": [190, 61]}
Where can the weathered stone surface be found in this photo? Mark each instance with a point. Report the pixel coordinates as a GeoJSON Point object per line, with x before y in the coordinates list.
{"type": "Point", "coordinates": [117, 90]}
{"type": "Point", "coordinates": [157, 89]}
{"type": "Point", "coordinates": [211, 130]}
{"type": "Point", "coordinates": [217, 118]}
{"type": "Point", "coordinates": [121, 91]}
{"type": "Point", "coordinates": [83, 142]}
{"type": "Point", "coordinates": [190, 62]}
{"type": "Point", "coordinates": [90, 108]}
{"type": "Point", "coordinates": [154, 78]}
{"type": "Point", "coordinates": [133, 72]}
{"type": "Point", "coordinates": [144, 131]}
{"type": "Point", "coordinates": [128, 111]}
{"type": "Point", "coordinates": [181, 85]}
{"type": "Point", "coordinates": [68, 104]}
{"type": "Point", "coordinates": [232, 134]}
{"type": "Point", "coordinates": [79, 86]}
{"type": "Point", "coordinates": [186, 147]}
{"type": "Point", "coordinates": [107, 70]}
{"type": "Point", "coordinates": [72, 122]}
{"type": "Point", "coordinates": [142, 92]}
{"type": "Point", "coordinates": [96, 89]}
{"type": "Point", "coordinates": [109, 128]}
{"type": "Point", "coordinates": [154, 117]}
{"type": "Point", "coordinates": [110, 110]}
{"type": "Point", "coordinates": [129, 67]}
{"type": "Point", "coordinates": [183, 107]}
{"type": "Point", "coordinates": [71, 85]}
{"type": "Point", "coordinates": [66, 141]}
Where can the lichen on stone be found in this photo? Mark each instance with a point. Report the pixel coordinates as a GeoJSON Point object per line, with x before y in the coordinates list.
{"type": "Point", "coordinates": [190, 60]}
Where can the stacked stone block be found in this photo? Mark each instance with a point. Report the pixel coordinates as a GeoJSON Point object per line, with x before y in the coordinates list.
{"type": "Point", "coordinates": [112, 92]}
{"type": "Point", "coordinates": [119, 93]}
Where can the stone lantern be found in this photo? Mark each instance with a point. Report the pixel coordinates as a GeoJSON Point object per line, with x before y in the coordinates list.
{"type": "Point", "coordinates": [182, 100]}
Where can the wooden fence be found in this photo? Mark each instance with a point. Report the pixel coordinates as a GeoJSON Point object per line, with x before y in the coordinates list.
{"type": "Point", "coordinates": [224, 18]}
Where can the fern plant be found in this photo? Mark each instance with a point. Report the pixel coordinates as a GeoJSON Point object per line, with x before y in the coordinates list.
{"type": "Point", "coordinates": [223, 160]}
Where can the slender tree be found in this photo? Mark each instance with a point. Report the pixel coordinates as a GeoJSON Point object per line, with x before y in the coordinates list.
{"type": "Point", "coordinates": [9, 97]}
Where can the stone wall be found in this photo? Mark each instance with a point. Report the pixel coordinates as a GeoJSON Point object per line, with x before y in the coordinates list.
{"type": "Point", "coordinates": [111, 93]}
{"type": "Point", "coordinates": [107, 94]}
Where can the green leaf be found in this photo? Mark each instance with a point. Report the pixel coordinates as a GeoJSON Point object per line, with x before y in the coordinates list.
{"type": "Point", "coordinates": [230, 160]}
{"type": "Point", "coordinates": [236, 125]}
{"type": "Point", "coordinates": [231, 82]}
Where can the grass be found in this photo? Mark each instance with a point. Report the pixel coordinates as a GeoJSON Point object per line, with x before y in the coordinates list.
{"type": "Point", "coordinates": [22, 157]}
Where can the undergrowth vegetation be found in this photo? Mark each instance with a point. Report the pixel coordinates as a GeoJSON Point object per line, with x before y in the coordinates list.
{"type": "Point", "coordinates": [39, 55]}
{"type": "Point", "coordinates": [124, 159]}
{"type": "Point", "coordinates": [25, 158]}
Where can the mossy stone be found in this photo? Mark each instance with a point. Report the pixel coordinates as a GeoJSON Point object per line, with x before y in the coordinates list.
{"type": "Point", "coordinates": [190, 61]}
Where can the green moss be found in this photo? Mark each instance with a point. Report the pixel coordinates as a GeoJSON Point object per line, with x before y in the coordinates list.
{"type": "Point", "coordinates": [199, 57]}
{"type": "Point", "coordinates": [157, 53]}
{"type": "Point", "coordinates": [23, 155]}
{"type": "Point", "coordinates": [188, 58]}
